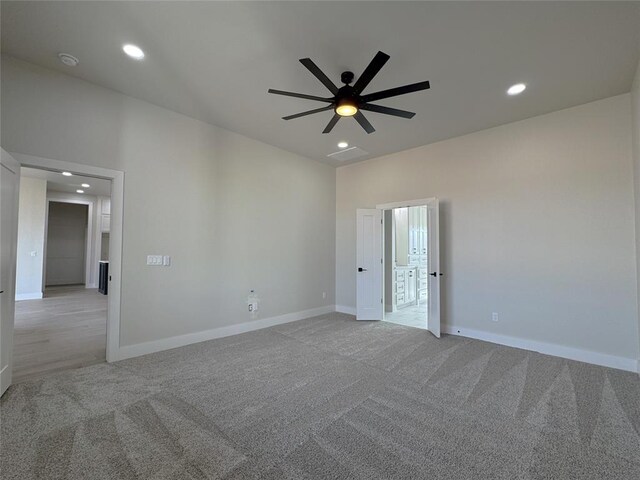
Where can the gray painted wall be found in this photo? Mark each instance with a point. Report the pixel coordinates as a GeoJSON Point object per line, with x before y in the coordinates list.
{"type": "Point", "coordinates": [235, 214]}
{"type": "Point", "coordinates": [537, 224]}
{"type": "Point", "coordinates": [635, 99]}
{"type": "Point", "coordinates": [31, 219]}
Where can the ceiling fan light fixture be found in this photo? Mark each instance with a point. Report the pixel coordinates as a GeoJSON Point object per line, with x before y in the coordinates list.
{"type": "Point", "coordinates": [346, 109]}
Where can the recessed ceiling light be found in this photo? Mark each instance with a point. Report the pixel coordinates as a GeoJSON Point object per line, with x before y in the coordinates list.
{"type": "Point", "coordinates": [85, 185]}
{"type": "Point", "coordinates": [133, 51]}
{"type": "Point", "coordinates": [68, 59]}
{"type": "Point", "coordinates": [67, 174]}
{"type": "Point", "coordinates": [343, 145]}
{"type": "Point", "coordinates": [517, 89]}
{"type": "Point", "coordinates": [79, 191]}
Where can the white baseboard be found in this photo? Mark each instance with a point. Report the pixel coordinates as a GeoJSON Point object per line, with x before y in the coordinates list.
{"type": "Point", "coordinates": [347, 310]}
{"type": "Point", "coordinates": [587, 356]}
{"type": "Point", "coordinates": [571, 353]}
{"type": "Point", "coordinates": [28, 296]}
{"type": "Point", "coordinates": [91, 285]}
{"type": "Point", "coordinates": [5, 379]}
{"type": "Point", "coordinates": [130, 351]}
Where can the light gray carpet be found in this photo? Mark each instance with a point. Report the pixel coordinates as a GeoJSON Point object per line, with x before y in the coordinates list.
{"type": "Point", "coordinates": [327, 398]}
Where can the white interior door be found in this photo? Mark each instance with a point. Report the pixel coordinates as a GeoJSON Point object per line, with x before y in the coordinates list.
{"type": "Point", "coordinates": [369, 304]}
{"type": "Point", "coordinates": [9, 186]}
{"type": "Point", "coordinates": [433, 259]}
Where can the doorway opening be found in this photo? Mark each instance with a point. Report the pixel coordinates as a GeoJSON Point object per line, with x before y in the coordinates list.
{"type": "Point", "coordinates": [60, 315]}
{"type": "Point", "coordinates": [10, 170]}
{"type": "Point", "coordinates": [398, 264]}
{"type": "Point", "coordinates": [406, 266]}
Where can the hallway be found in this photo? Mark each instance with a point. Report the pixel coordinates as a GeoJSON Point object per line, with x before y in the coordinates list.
{"type": "Point", "coordinates": [64, 330]}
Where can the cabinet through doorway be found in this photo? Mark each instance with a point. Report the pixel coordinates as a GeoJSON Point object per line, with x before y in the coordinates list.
{"type": "Point", "coordinates": [406, 262]}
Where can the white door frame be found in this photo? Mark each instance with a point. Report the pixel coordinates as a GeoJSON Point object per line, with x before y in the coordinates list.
{"type": "Point", "coordinates": [408, 203]}
{"type": "Point", "coordinates": [115, 236]}
{"type": "Point", "coordinates": [9, 166]}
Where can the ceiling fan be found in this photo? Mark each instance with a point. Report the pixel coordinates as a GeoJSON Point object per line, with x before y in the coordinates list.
{"type": "Point", "coordinates": [348, 101]}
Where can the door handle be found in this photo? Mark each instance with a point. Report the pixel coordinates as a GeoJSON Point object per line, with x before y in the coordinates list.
{"type": "Point", "coordinates": [435, 274]}
{"type": "Point", "coordinates": [360, 269]}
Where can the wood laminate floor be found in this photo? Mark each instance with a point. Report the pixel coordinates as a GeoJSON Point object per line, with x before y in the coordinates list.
{"type": "Point", "coordinates": [66, 329]}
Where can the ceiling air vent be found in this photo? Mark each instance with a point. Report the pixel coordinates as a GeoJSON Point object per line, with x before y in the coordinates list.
{"type": "Point", "coordinates": [348, 154]}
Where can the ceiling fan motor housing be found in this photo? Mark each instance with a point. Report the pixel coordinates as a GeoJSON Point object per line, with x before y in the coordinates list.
{"type": "Point", "coordinates": [346, 95]}
{"type": "Point", "coordinates": [346, 77]}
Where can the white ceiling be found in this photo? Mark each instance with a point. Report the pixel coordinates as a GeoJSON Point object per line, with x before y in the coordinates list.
{"type": "Point", "coordinates": [56, 182]}
{"type": "Point", "coordinates": [215, 60]}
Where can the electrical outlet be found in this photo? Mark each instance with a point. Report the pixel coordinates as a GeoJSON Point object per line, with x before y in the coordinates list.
{"type": "Point", "coordinates": [154, 259]}
{"type": "Point", "coordinates": [324, 294]}
{"type": "Point", "coordinates": [494, 317]}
